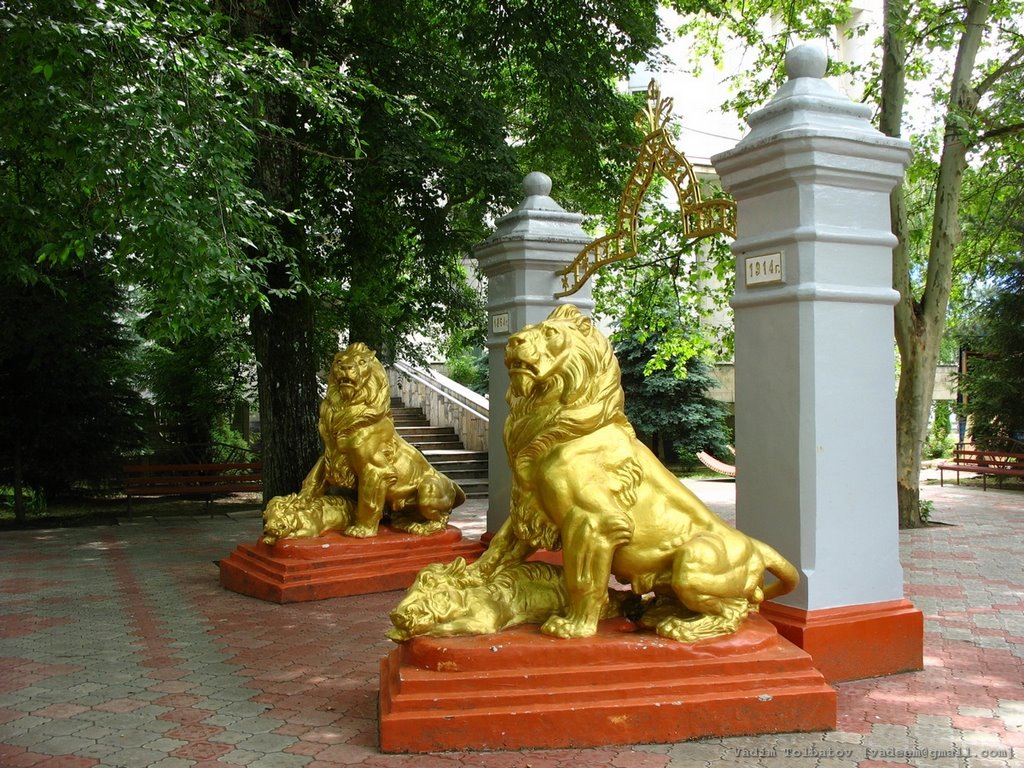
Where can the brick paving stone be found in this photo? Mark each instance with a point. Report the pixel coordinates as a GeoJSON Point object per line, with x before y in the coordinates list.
{"type": "Point", "coordinates": [280, 760]}
{"type": "Point", "coordinates": [173, 762]}
{"type": "Point", "coordinates": [194, 732]}
{"type": "Point", "coordinates": [265, 742]}
{"type": "Point", "coordinates": [241, 756]}
{"type": "Point", "coordinates": [61, 727]}
{"type": "Point", "coordinates": [121, 635]}
{"type": "Point", "coordinates": [201, 750]}
{"type": "Point", "coordinates": [59, 745]}
{"type": "Point", "coordinates": [98, 751]}
{"type": "Point", "coordinates": [133, 757]}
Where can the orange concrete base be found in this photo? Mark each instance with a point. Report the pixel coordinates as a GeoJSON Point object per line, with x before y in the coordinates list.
{"type": "Point", "coordinates": [856, 641]}
{"type": "Point", "coordinates": [520, 689]}
{"type": "Point", "coordinates": [332, 565]}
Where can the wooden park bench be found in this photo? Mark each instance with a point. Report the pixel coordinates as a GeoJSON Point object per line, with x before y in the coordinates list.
{"type": "Point", "coordinates": [984, 463]}
{"type": "Point", "coordinates": [206, 480]}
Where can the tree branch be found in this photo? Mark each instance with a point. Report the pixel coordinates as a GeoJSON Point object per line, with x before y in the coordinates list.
{"type": "Point", "coordinates": [1004, 130]}
{"type": "Point", "coordinates": [1014, 62]}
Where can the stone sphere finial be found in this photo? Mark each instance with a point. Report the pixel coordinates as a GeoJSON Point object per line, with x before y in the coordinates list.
{"type": "Point", "coordinates": [805, 61]}
{"type": "Point", "coordinates": [537, 183]}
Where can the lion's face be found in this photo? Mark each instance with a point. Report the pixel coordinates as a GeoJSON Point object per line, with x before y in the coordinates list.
{"type": "Point", "coordinates": [352, 370]}
{"type": "Point", "coordinates": [437, 596]}
{"type": "Point", "coordinates": [280, 525]}
{"type": "Point", "coordinates": [538, 353]}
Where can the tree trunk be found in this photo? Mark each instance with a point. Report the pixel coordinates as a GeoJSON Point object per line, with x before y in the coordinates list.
{"type": "Point", "coordinates": [920, 323]}
{"type": "Point", "coordinates": [283, 333]}
{"type": "Point", "coordinates": [20, 513]}
{"type": "Point", "coordinates": [288, 393]}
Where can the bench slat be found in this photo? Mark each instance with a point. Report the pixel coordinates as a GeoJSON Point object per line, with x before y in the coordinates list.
{"type": "Point", "coordinates": [142, 469]}
{"type": "Point", "coordinates": [192, 490]}
{"type": "Point", "coordinates": [190, 479]}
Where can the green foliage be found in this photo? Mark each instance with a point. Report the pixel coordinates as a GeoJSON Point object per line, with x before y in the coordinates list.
{"type": "Point", "coordinates": [993, 386]}
{"type": "Point", "coordinates": [314, 164]}
{"type": "Point", "coordinates": [669, 407]}
{"type": "Point", "coordinates": [33, 500]}
{"type": "Point", "coordinates": [195, 386]}
{"type": "Point", "coordinates": [765, 30]}
{"type": "Point", "coordinates": [470, 369]}
{"type": "Point", "coordinates": [130, 131]}
{"type": "Point", "coordinates": [673, 295]}
{"type": "Point", "coordinates": [927, 508]}
{"type": "Point", "coordinates": [69, 406]}
{"type": "Point", "coordinates": [939, 443]}
{"type": "Point", "coordinates": [229, 445]}
{"type": "Point", "coordinates": [493, 92]}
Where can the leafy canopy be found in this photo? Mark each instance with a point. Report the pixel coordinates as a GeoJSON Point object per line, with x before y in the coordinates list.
{"type": "Point", "coordinates": [129, 132]}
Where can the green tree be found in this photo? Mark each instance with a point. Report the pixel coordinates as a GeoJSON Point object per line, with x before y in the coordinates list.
{"type": "Point", "coordinates": [671, 410]}
{"type": "Point", "coordinates": [968, 57]}
{"type": "Point", "coordinates": [69, 403]}
{"type": "Point", "coordinates": [132, 130]}
{"type": "Point", "coordinates": [673, 290]}
{"type": "Point", "coordinates": [487, 92]}
{"type": "Point", "coordinates": [300, 161]}
{"type": "Point", "coordinates": [993, 384]}
{"type": "Point", "coordinates": [196, 386]}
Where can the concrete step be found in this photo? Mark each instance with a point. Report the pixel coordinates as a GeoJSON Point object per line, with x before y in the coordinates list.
{"type": "Point", "coordinates": [425, 431]}
{"type": "Point", "coordinates": [443, 449]}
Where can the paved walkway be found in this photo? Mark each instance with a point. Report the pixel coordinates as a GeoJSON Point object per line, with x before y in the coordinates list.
{"type": "Point", "coordinates": [118, 648]}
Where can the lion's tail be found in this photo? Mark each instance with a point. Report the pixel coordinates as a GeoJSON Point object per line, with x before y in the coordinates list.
{"type": "Point", "coordinates": [788, 577]}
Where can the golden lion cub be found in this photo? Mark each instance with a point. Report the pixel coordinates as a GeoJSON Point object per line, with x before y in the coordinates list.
{"type": "Point", "coordinates": [582, 482]}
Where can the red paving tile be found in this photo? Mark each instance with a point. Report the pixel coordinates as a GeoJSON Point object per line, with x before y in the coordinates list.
{"type": "Point", "coordinates": [186, 715]}
{"type": "Point", "coordinates": [178, 700]}
{"type": "Point", "coordinates": [201, 750]}
{"type": "Point", "coordinates": [121, 705]}
{"type": "Point", "coordinates": [194, 732]}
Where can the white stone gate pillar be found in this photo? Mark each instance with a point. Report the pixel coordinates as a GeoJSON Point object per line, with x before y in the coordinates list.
{"type": "Point", "coordinates": [529, 244]}
{"type": "Point", "coordinates": [815, 390]}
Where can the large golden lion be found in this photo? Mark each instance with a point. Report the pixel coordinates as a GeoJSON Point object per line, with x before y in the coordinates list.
{"type": "Point", "coordinates": [583, 483]}
{"type": "Point", "coordinates": [365, 459]}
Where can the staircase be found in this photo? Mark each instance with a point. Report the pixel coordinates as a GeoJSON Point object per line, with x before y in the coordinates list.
{"type": "Point", "coordinates": [443, 449]}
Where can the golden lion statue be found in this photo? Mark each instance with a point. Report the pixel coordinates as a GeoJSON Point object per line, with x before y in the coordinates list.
{"type": "Point", "coordinates": [365, 460]}
{"type": "Point", "coordinates": [294, 516]}
{"type": "Point", "coordinates": [447, 600]}
{"type": "Point", "coordinates": [582, 482]}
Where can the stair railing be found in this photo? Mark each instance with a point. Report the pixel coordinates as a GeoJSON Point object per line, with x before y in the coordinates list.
{"type": "Point", "coordinates": [445, 402]}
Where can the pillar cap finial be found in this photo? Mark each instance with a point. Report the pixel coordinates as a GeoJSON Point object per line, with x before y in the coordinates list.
{"type": "Point", "coordinates": [806, 61]}
{"type": "Point", "coordinates": [537, 183]}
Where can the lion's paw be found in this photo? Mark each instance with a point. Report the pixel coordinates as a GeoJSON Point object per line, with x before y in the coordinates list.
{"type": "Point", "coordinates": [422, 529]}
{"type": "Point", "coordinates": [560, 626]}
{"type": "Point", "coordinates": [703, 628]}
{"type": "Point", "coordinates": [361, 531]}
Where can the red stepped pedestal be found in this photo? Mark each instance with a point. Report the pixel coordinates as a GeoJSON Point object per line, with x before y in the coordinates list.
{"type": "Point", "coordinates": [523, 690]}
{"type": "Point", "coordinates": [855, 641]}
{"type": "Point", "coordinates": [332, 565]}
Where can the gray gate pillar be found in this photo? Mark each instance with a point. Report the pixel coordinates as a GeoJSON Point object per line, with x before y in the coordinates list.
{"type": "Point", "coordinates": [528, 245]}
{"type": "Point", "coordinates": [815, 390]}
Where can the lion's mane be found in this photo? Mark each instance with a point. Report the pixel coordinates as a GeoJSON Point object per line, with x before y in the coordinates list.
{"type": "Point", "coordinates": [341, 412]}
{"type": "Point", "coordinates": [371, 400]}
{"type": "Point", "coordinates": [583, 395]}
